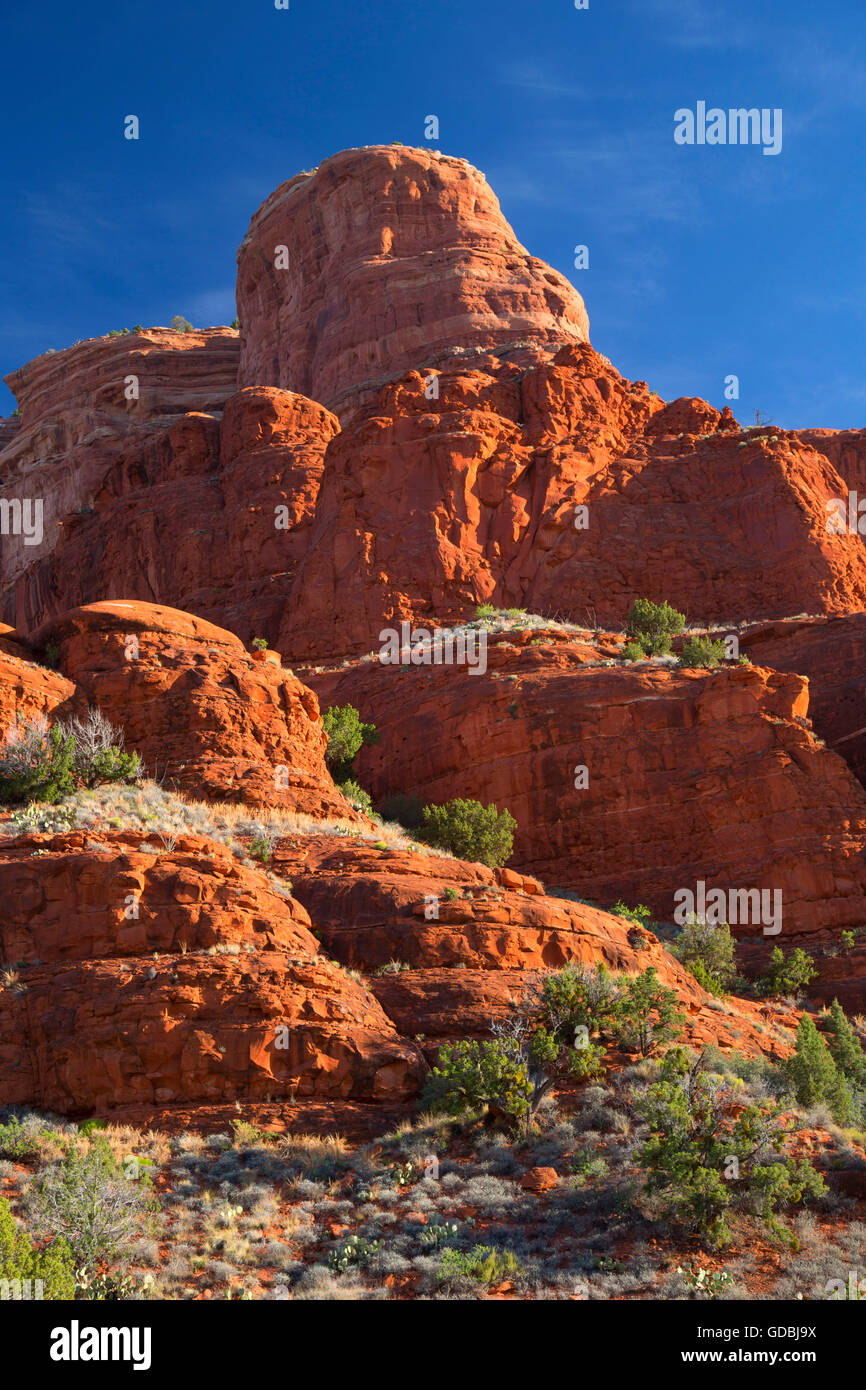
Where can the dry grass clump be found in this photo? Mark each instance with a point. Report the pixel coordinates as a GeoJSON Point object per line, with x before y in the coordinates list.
{"type": "Point", "coordinates": [156, 814]}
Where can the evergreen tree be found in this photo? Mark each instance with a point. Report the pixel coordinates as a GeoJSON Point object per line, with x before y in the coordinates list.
{"type": "Point", "coordinates": [813, 1075]}
{"type": "Point", "coordinates": [845, 1047]}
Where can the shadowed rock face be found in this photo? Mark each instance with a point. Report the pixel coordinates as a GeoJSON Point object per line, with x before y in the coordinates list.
{"type": "Point", "coordinates": [831, 652]}
{"type": "Point", "coordinates": [392, 255]}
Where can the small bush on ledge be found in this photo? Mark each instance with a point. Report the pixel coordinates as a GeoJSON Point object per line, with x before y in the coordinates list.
{"type": "Point", "coordinates": [470, 831]}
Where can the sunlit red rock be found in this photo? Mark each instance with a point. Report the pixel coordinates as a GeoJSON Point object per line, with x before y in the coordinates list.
{"type": "Point", "coordinates": [203, 713]}
{"type": "Point", "coordinates": [149, 976]}
{"type": "Point", "coordinates": [391, 255]}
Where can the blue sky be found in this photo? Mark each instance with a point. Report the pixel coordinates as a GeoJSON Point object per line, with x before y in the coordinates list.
{"type": "Point", "coordinates": [704, 261]}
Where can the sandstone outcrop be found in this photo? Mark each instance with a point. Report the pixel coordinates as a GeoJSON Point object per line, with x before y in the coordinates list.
{"type": "Point", "coordinates": [564, 489]}
{"type": "Point", "coordinates": [205, 514]}
{"type": "Point", "coordinates": [411, 423]}
{"type": "Point", "coordinates": [205, 715]}
{"type": "Point", "coordinates": [391, 255]}
{"type": "Point", "coordinates": [691, 775]}
{"type": "Point", "coordinates": [77, 420]}
{"type": "Point", "coordinates": [831, 652]}
{"type": "Point", "coordinates": [461, 949]}
{"type": "Point", "coordinates": [153, 977]}
{"type": "Point", "coordinates": [28, 690]}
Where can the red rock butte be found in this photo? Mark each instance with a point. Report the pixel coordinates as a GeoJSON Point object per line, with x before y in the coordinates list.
{"type": "Point", "coordinates": [392, 255]}
{"type": "Point", "coordinates": [301, 482]}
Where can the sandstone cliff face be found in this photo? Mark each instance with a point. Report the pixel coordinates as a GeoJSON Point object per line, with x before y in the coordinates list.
{"type": "Point", "coordinates": [204, 514]}
{"type": "Point", "coordinates": [692, 775]}
{"type": "Point", "coordinates": [538, 478]}
{"type": "Point", "coordinates": [28, 690]}
{"type": "Point", "coordinates": [393, 255]}
{"type": "Point", "coordinates": [76, 420]}
{"type": "Point", "coordinates": [831, 652]}
{"type": "Point", "coordinates": [562, 488]}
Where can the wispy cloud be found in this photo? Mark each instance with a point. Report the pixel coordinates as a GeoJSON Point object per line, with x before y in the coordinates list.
{"type": "Point", "coordinates": [67, 216]}
{"type": "Point", "coordinates": [531, 77]}
{"type": "Point", "coordinates": [694, 23]}
{"type": "Point", "coordinates": [210, 307]}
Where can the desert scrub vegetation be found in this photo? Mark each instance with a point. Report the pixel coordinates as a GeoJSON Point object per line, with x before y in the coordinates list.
{"type": "Point", "coordinates": [702, 652]}
{"type": "Point", "coordinates": [437, 1209]}
{"type": "Point", "coordinates": [830, 1074]}
{"type": "Point", "coordinates": [708, 952]}
{"type": "Point", "coordinates": [44, 762]}
{"type": "Point", "coordinates": [152, 811]}
{"type": "Point", "coordinates": [96, 1202]}
{"type": "Point", "coordinates": [786, 975]}
{"type": "Point", "coordinates": [469, 831]}
{"type": "Point", "coordinates": [709, 1154]}
{"type": "Point", "coordinates": [347, 733]}
{"type": "Point", "coordinates": [554, 1031]}
{"type": "Point", "coordinates": [33, 1273]}
{"type": "Point", "coordinates": [651, 626]}
{"type": "Point", "coordinates": [87, 1200]}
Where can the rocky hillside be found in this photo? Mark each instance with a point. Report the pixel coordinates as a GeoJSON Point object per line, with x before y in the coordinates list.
{"type": "Point", "coordinates": [411, 427]}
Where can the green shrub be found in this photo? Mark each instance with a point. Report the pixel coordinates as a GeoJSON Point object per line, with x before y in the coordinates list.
{"type": "Point", "coordinates": [786, 975]}
{"type": "Point", "coordinates": [485, 610]}
{"type": "Point", "coordinates": [20, 1261]}
{"type": "Point", "coordinates": [87, 1199]}
{"type": "Point", "coordinates": [646, 1013]}
{"type": "Point", "coordinates": [113, 765]}
{"type": "Point", "coordinates": [88, 1127]}
{"type": "Point", "coordinates": [469, 830]}
{"type": "Point", "coordinates": [813, 1075]}
{"type": "Point", "coordinates": [483, 1264]}
{"type": "Point", "coordinates": [180, 325]}
{"type": "Point", "coordinates": [587, 1063]}
{"type": "Point", "coordinates": [42, 763]}
{"type": "Point", "coordinates": [706, 979]}
{"type": "Point", "coordinates": [97, 751]}
{"type": "Point", "coordinates": [633, 651]}
{"type": "Point", "coordinates": [260, 644]}
{"type": "Point", "coordinates": [355, 794]}
{"type": "Point", "coordinates": [652, 625]}
{"type": "Point", "coordinates": [708, 952]}
{"type": "Point", "coordinates": [19, 1143]}
{"type": "Point", "coordinates": [577, 996]}
{"type": "Point", "coordinates": [640, 914]}
{"type": "Point", "coordinates": [36, 763]}
{"type": "Point", "coordinates": [702, 652]}
{"type": "Point", "coordinates": [346, 733]}
{"type": "Point", "coordinates": [707, 1154]}
{"type": "Point", "coordinates": [471, 1075]}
